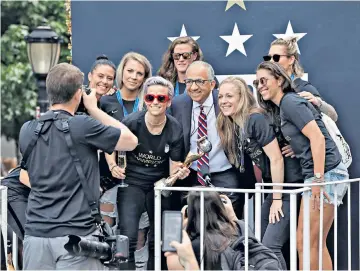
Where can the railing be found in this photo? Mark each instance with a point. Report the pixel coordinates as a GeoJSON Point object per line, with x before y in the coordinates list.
{"type": "Point", "coordinates": [306, 220]}
{"type": "Point", "coordinates": [293, 220]}
{"type": "Point", "coordinates": [3, 229]}
{"type": "Point", "coordinates": [258, 191]}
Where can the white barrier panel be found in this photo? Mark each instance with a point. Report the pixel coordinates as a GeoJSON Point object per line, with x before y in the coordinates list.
{"type": "Point", "coordinates": [257, 191]}
{"type": "Point", "coordinates": [306, 221]}
{"type": "Point", "coordinates": [3, 230]}
{"type": "Point", "coordinates": [3, 190]}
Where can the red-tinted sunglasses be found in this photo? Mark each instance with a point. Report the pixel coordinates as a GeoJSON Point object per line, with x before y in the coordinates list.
{"type": "Point", "coordinates": [149, 98]}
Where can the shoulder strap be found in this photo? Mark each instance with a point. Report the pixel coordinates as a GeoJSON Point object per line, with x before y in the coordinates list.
{"type": "Point", "coordinates": [32, 143]}
{"type": "Point", "coordinates": [48, 116]}
{"type": "Point", "coordinates": [90, 197]}
{"type": "Point", "coordinates": [17, 221]}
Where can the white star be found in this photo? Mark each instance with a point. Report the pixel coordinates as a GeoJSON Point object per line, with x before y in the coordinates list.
{"type": "Point", "coordinates": [150, 152]}
{"type": "Point", "coordinates": [290, 33]}
{"type": "Point", "coordinates": [236, 41]}
{"type": "Point", "coordinates": [240, 3]}
{"type": "Point", "coordinates": [182, 34]}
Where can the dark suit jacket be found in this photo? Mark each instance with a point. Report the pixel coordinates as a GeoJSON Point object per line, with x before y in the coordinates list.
{"type": "Point", "coordinates": [181, 109]}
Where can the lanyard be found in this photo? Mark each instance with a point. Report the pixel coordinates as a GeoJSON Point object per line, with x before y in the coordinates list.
{"type": "Point", "coordinates": [177, 88]}
{"type": "Point", "coordinates": [136, 104]}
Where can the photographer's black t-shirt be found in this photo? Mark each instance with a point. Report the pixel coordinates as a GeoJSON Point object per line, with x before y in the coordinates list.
{"type": "Point", "coordinates": [295, 113]}
{"type": "Point", "coordinates": [149, 162]}
{"type": "Point", "coordinates": [16, 190]}
{"type": "Point", "coordinates": [57, 205]}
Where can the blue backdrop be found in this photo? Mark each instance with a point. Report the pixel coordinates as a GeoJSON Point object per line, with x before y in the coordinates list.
{"type": "Point", "coordinates": [330, 51]}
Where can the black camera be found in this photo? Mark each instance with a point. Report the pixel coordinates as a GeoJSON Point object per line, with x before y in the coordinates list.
{"type": "Point", "coordinates": [110, 250]}
{"type": "Point", "coordinates": [81, 109]}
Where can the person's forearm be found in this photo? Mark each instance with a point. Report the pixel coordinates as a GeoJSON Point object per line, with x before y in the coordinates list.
{"type": "Point", "coordinates": [24, 178]}
{"type": "Point", "coordinates": [110, 159]}
{"type": "Point", "coordinates": [277, 174]}
{"type": "Point", "coordinates": [105, 119]}
{"type": "Point", "coordinates": [317, 145]}
{"type": "Point", "coordinates": [192, 265]}
{"type": "Point", "coordinates": [328, 110]}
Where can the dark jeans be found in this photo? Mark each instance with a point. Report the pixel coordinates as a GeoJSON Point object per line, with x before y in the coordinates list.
{"type": "Point", "coordinates": [274, 236]}
{"type": "Point", "coordinates": [130, 203]}
{"type": "Point", "coordinates": [231, 178]}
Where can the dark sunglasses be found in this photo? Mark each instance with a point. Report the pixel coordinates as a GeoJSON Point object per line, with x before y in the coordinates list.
{"type": "Point", "coordinates": [262, 81]}
{"type": "Point", "coordinates": [275, 57]}
{"type": "Point", "coordinates": [186, 55]}
{"type": "Point", "coordinates": [161, 98]}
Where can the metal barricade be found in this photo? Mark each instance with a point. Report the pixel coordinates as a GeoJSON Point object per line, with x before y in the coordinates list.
{"type": "Point", "coordinates": [293, 220]}
{"type": "Point", "coordinates": [3, 229]}
{"type": "Point", "coordinates": [306, 220]}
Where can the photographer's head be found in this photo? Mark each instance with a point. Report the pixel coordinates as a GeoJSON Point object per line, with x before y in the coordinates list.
{"type": "Point", "coordinates": [64, 86]}
{"type": "Point", "coordinates": [158, 94]}
{"type": "Point", "coordinates": [102, 75]}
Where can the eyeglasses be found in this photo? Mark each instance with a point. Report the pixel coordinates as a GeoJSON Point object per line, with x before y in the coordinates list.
{"type": "Point", "coordinates": [262, 81]}
{"type": "Point", "coordinates": [161, 98]}
{"type": "Point", "coordinates": [275, 57]}
{"type": "Point", "coordinates": [186, 55]}
{"type": "Point", "coordinates": [198, 82]}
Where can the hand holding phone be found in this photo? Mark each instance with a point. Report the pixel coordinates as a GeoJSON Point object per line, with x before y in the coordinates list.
{"type": "Point", "coordinates": [171, 229]}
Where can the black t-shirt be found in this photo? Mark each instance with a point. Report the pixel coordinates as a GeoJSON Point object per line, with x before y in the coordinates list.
{"type": "Point", "coordinates": [16, 190]}
{"type": "Point", "coordinates": [111, 106]}
{"type": "Point", "coordinates": [292, 167]}
{"type": "Point", "coordinates": [295, 113]}
{"type": "Point", "coordinates": [57, 205]}
{"type": "Point", "coordinates": [302, 85]}
{"type": "Point", "coordinates": [257, 134]}
{"type": "Point", "coordinates": [149, 162]}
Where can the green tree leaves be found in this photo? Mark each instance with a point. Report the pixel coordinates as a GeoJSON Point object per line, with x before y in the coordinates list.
{"type": "Point", "coordinates": [18, 85]}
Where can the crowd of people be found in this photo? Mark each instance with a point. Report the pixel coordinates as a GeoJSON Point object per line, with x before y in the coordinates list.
{"type": "Point", "coordinates": [155, 121]}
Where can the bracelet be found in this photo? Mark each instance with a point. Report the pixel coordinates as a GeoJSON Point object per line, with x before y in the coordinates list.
{"type": "Point", "coordinates": [277, 199]}
{"type": "Point", "coordinates": [112, 167]}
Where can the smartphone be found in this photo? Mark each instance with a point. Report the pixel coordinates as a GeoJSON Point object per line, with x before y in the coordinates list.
{"type": "Point", "coordinates": [171, 229]}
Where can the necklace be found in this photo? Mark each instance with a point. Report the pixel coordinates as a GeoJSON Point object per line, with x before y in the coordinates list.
{"type": "Point", "coordinates": [155, 124]}
{"type": "Point", "coordinates": [239, 133]}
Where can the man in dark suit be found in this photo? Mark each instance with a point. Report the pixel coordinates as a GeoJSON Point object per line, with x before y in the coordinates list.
{"type": "Point", "coordinates": [196, 110]}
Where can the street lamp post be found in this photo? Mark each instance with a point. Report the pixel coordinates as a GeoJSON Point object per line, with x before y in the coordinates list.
{"type": "Point", "coordinates": [43, 48]}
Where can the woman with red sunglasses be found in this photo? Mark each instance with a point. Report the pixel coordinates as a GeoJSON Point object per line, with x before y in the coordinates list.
{"type": "Point", "coordinates": [285, 52]}
{"type": "Point", "coordinates": [160, 141]}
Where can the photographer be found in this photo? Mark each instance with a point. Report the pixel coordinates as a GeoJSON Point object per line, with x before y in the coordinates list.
{"type": "Point", "coordinates": [58, 204]}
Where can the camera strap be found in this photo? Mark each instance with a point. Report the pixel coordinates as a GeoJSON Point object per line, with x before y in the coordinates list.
{"type": "Point", "coordinates": [53, 117]}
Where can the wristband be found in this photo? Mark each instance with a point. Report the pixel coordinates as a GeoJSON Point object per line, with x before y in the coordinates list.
{"type": "Point", "coordinates": [276, 199]}
{"type": "Point", "coordinates": [112, 167]}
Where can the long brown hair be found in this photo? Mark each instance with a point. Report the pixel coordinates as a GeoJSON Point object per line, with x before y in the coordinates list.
{"type": "Point", "coordinates": [226, 125]}
{"type": "Point", "coordinates": [277, 71]}
{"type": "Point", "coordinates": [219, 230]}
{"type": "Point", "coordinates": [167, 69]}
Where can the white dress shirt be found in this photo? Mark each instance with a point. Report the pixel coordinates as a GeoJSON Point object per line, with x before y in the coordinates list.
{"type": "Point", "coordinates": [217, 158]}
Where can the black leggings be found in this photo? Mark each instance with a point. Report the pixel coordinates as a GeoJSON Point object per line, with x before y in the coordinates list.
{"type": "Point", "coordinates": [130, 204]}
